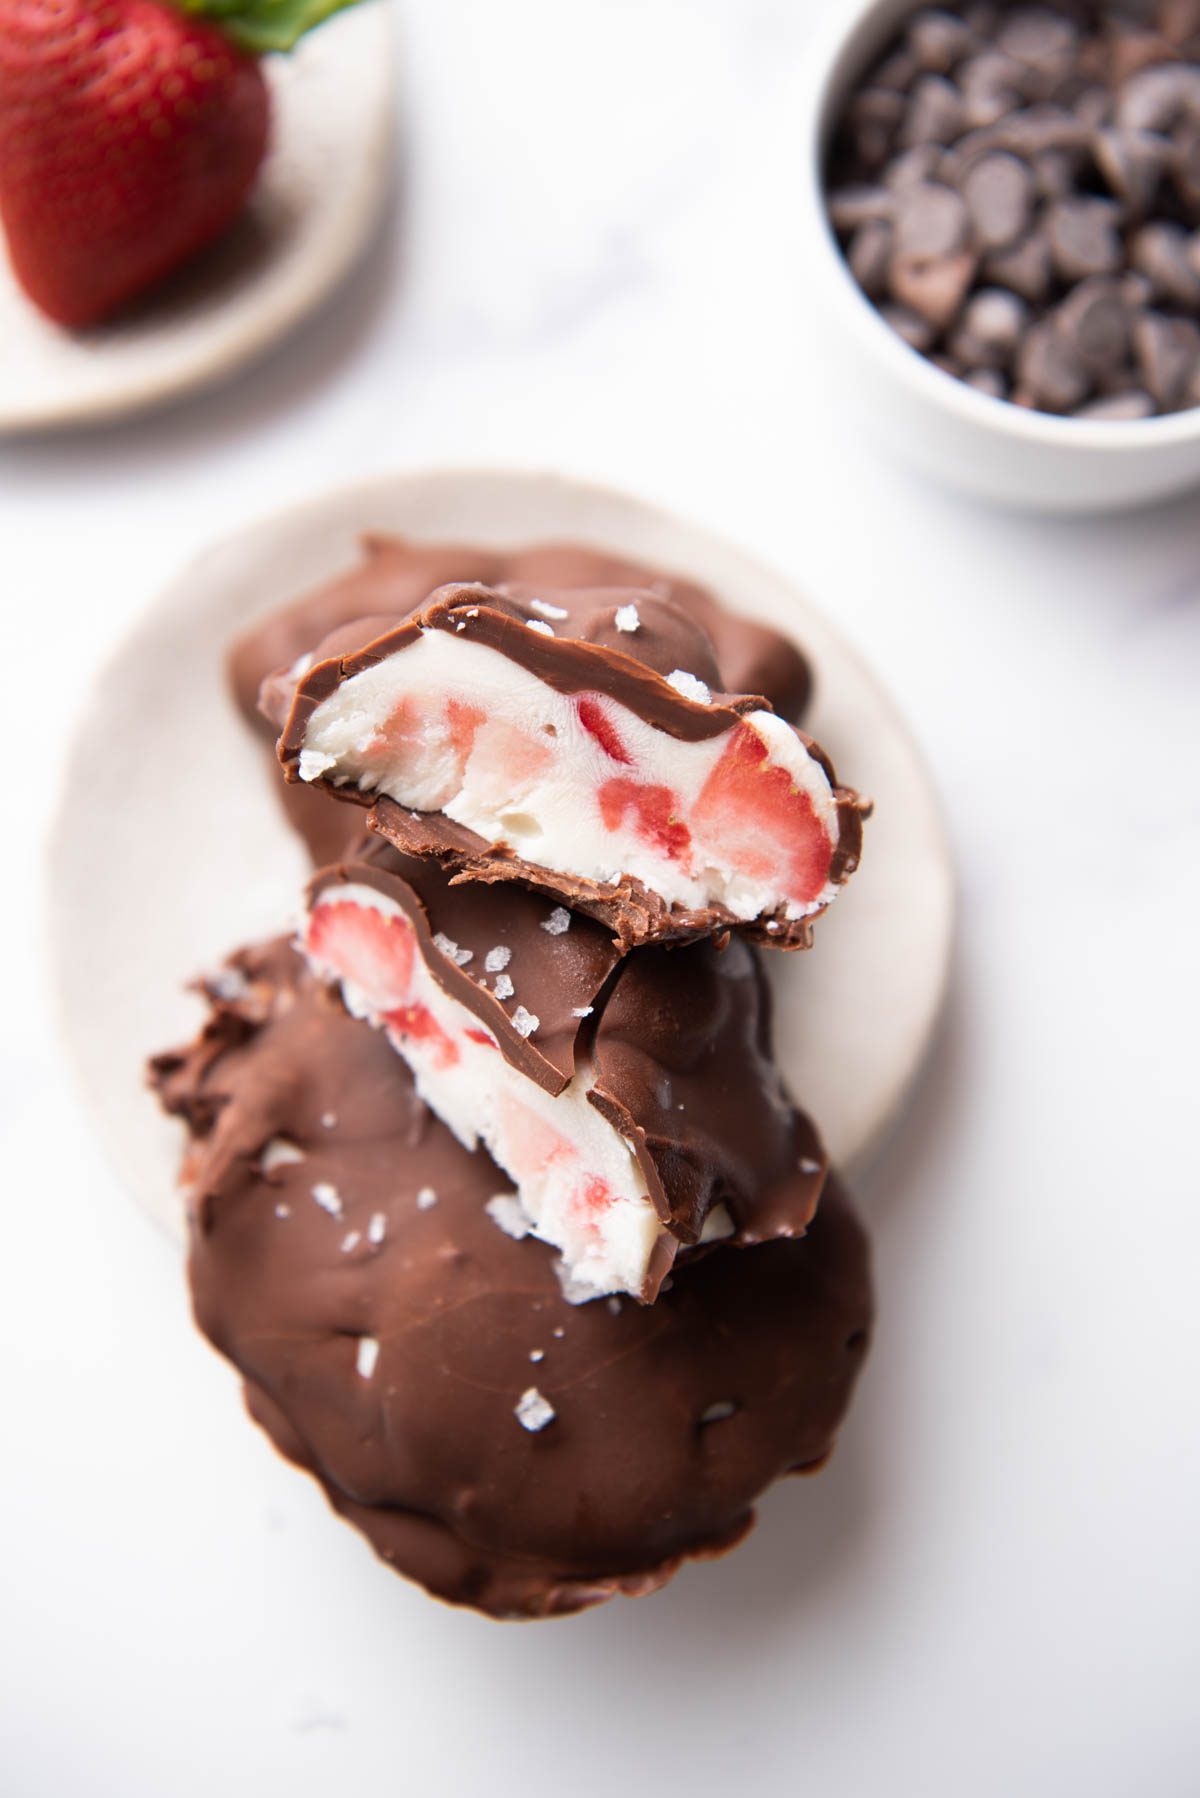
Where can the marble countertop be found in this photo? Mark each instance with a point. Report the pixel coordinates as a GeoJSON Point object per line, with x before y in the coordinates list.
{"type": "Point", "coordinates": [994, 1587]}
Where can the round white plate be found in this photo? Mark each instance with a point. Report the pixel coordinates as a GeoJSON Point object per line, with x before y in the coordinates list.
{"type": "Point", "coordinates": [170, 850]}
{"type": "Point", "coordinates": [318, 197]}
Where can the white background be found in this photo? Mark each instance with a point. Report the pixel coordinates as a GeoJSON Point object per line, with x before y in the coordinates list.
{"type": "Point", "coordinates": [994, 1588]}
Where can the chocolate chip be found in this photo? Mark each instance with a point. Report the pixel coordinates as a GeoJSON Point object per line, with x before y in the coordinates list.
{"type": "Point", "coordinates": [1049, 369]}
{"type": "Point", "coordinates": [1083, 238]}
{"type": "Point", "coordinates": [1055, 172]}
{"type": "Point", "coordinates": [1131, 164]}
{"type": "Point", "coordinates": [939, 40]}
{"type": "Point", "coordinates": [1094, 318]}
{"type": "Point", "coordinates": [1161, 252]}
{"type": "Point", "coordinates": [1179, 20]}
{"type": "Point", "coordinates": [934, 287]}
{"type": "Point", "coordinates": [1185, 167]}
{"type": "Point", "coordinates": [1167, 352]}
{"type": "Point", "coordinates": [898, 72]}
{"type": "Point", "coordinates": [935, 115]}
{"type": "Point", "coordinates": [1025, 268]}
{"type": "Point", "coordinates": [870, 255]}
{"type": "Point", "coordinates": [999, 194]}
{"type": "Point", "coordinates": [1131, 49]}
{"type": "Point", "coordinates": [912, 166]}
{"type": "Point", "coordinates": [991, 87]}
{"type": "Point", "coordinates": [1118, 408]}
{"type": "Point", "coordinates": [1042, 40]}
{"type": "Point", "coordinates": [850, 207]}
{"type": "Point", "coordinates": [989, 381]}
{"type": "Point", "coordinates": [1160, 98]}
{"type": "Point", "coordinates": [1040, 128]}
{"type": "Point", "coordinates": [990, 329]}
{"type": "Point", "coordinates": [916, 331]}
{"type": "Point", "coordinates": [931, 220]}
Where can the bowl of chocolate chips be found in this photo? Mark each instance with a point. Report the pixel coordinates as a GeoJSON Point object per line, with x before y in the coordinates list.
{"type": "Point", "coordinates": [1005, 211]}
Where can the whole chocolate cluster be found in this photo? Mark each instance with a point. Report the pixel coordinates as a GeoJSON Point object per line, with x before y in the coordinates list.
{"type": "Point", "coordinates": [1018, 191]}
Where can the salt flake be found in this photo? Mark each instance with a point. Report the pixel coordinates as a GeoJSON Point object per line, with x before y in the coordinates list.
{"type": "Point", "coordinates": [426, 1199]}
{"type": "Point", "coordinates": [351, 1241]}
{"type": "Point", "coordinates": [547, 610]}
{"type": "Point", "coordinates": [368, 1355]}
{"type": "Point", "coordinates": [689, 685]}
{"type": "Point", "coordinates": [533, 1412]}
{"type": "Point", "coordinates": [328, 1198]}
{"type": "Point", "coordinates": [626, 618]}
{"type": "Point", "coordinates": [377, 1228]}
{"type": "Point", "coordinates": [535, 624]}
{"type": "Point", "coordinates": [279, 1152]}
{"type": "Point", "coordinates": [497, 959]}
{"type": "Point", "coordinates": [582, 1011]}
{"type": "Point", "coordinates": [504, 988]}
{"type": "Point", "coordinates": [524, 1022]}
{"type": "Point", "coordinates": [450, 949]}
{"type": "Point", "coordinates": [559, 921]}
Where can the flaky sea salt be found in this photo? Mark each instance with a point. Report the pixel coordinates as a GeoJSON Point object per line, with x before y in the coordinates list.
{"type": "Point", "coordinates": [328, 1198]}
{"type": "Point", "coordinates": [283, 1211]}
{"type": "Point", "coordinates": [533, 1412]}
{"type": "Point", "coordinates": [503, 987]}
{"type": "Point", "coordinates": [582, 1011]}
{"type": "Point", "coordinates": [626, 618]}
{"type": "Point", "coordinates": [497, 959]}
{"type": "Point", "coordinates": [537, 1354]}
{"type": "Point", "coordinates": [351, 1241]}
{"type": "Point", "coordinates": [719, 1412]}
{"type": "Point", "coordinates": [808, 1165]}
{"type": "Point", "coordinates": [559, 921]}
{"type": "Point", "coordinates": [524, 1022]}
{"type": "Point", "coordinates": [450, 949]}
{"type": "Point", "coordinates": [368, 1355]}
{"type": "Point", "coordinates": [507, 1211]}
{"type": "Point", "coordinates": [535, 624]}
{"type": "Point", "coordinates": [547, 610]}
{"type": "Point", "coordinates": [689, 685]}
{"type": "Point", "coordinates": [377, 1228]}
{"type": "Point", "coordinates": [426, 1199]}
{"type": "Point", "coordinates": [329, 1120]}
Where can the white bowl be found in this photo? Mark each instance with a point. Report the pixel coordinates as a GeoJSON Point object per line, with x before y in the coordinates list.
{"type": "Point", "coordinates": [995, 450]}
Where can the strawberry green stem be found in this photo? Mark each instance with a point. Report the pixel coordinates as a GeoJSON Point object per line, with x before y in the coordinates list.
{"type": "Point", "coordinates": [259, 26]}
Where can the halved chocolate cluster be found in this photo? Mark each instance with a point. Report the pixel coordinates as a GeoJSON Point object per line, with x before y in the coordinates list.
{"type": "Point", "coordinates": [496, 1194]}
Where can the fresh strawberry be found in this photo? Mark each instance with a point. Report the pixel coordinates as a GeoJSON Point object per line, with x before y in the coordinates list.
{"type": "Point", "coordinates": [130, 136]}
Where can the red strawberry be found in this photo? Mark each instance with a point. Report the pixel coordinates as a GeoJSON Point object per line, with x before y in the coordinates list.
{"type": "Point", "coordinates": [130, 136]}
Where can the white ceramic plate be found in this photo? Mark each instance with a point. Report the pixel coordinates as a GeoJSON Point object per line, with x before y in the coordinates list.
{"type": "Point", "coordinates": [170, 850]}
{"type": "Point", "coordinates": [334, 108]}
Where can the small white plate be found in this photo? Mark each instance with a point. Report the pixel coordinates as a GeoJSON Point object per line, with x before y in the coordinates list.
{"type": "Point", "coordinates": [170, 849]}
{"type": "Point", "coordinates": [319, 195]}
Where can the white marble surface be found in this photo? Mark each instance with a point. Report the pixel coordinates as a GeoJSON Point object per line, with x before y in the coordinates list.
{"type": "Point", "coordinates": [994, 1587]}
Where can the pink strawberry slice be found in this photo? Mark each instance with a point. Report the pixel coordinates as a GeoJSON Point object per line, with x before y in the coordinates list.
{"type": "Point", "coordinates": [359, 944]}
{"type": "Point", "coordinates": [131, 133]}
{"type": "Point", "coordinates": [752, 816]}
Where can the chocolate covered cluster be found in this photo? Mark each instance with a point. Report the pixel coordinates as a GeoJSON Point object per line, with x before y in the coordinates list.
{"type": "Point", "coordinates": [530, 1386]}
{"type": "Point", "coordinates": [1017, 188]}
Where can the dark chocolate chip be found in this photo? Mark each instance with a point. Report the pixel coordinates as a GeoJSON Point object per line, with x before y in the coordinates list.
{"type": "Point", "coordinates": [934, 287]}
{"type": "Point", "coordinates": [1161, 252]}
{"type": "Point", "coordinates": [990, 330]}
{"type": "Point", "coordinates": [870, 255]}
{"type": "Point", "coordinates": [1159, 98]}
{"type": "Point", "coordinates": [992, 87]}
{"type": "Point", "coordinates": [1049, 369]}
{"type": "Point", "coordinates": [989, 381]}
{"type": "Point", "coordinates": [1095, 319]}
{"type": "Point", "coordinates": [1025, 268]}
{"type": "Point", "coordinates": [999, 193]}
{"type": "Point", "coordinates": [1167, 351]}
{"type": "Point", "coordinates": [931, 220]}
{"type": "Point", "coordinates": [916, 331]}
{"type": "Point", "coordinates": [1056, 172]}
{"type": "Point", "coordinates": [850, 207]}
{"type": "Point", "coordinates": [898, 72]}
{"type": "Point", "coordinates": [1042, 40]}
{"type": "Point", "coordinates": [1083, 238]}
{"type": "Point", "coordinates": [935, 114]}
{"type": "Point", "coordinates": [1131, 49]}
{"type": "Point", "coordinates": [912, 166]}
{"type": "Point", "coordinates": [940, 40]}
{"type": "Point", "coordinates": [1132, 164]}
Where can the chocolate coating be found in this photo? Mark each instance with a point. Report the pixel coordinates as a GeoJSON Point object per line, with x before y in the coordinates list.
{"type": "Point", "coordinates": [668, 1421]}
{"type": "Point", "coordinates": [397, 575]}
{"type": "Point", "coordinates": [679, 1039]}
{"type": "Point", "coordinates": [585, 652]}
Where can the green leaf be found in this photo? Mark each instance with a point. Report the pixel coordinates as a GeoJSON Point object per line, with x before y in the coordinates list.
{"type": "Point", "coordinates": [262, 25]}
